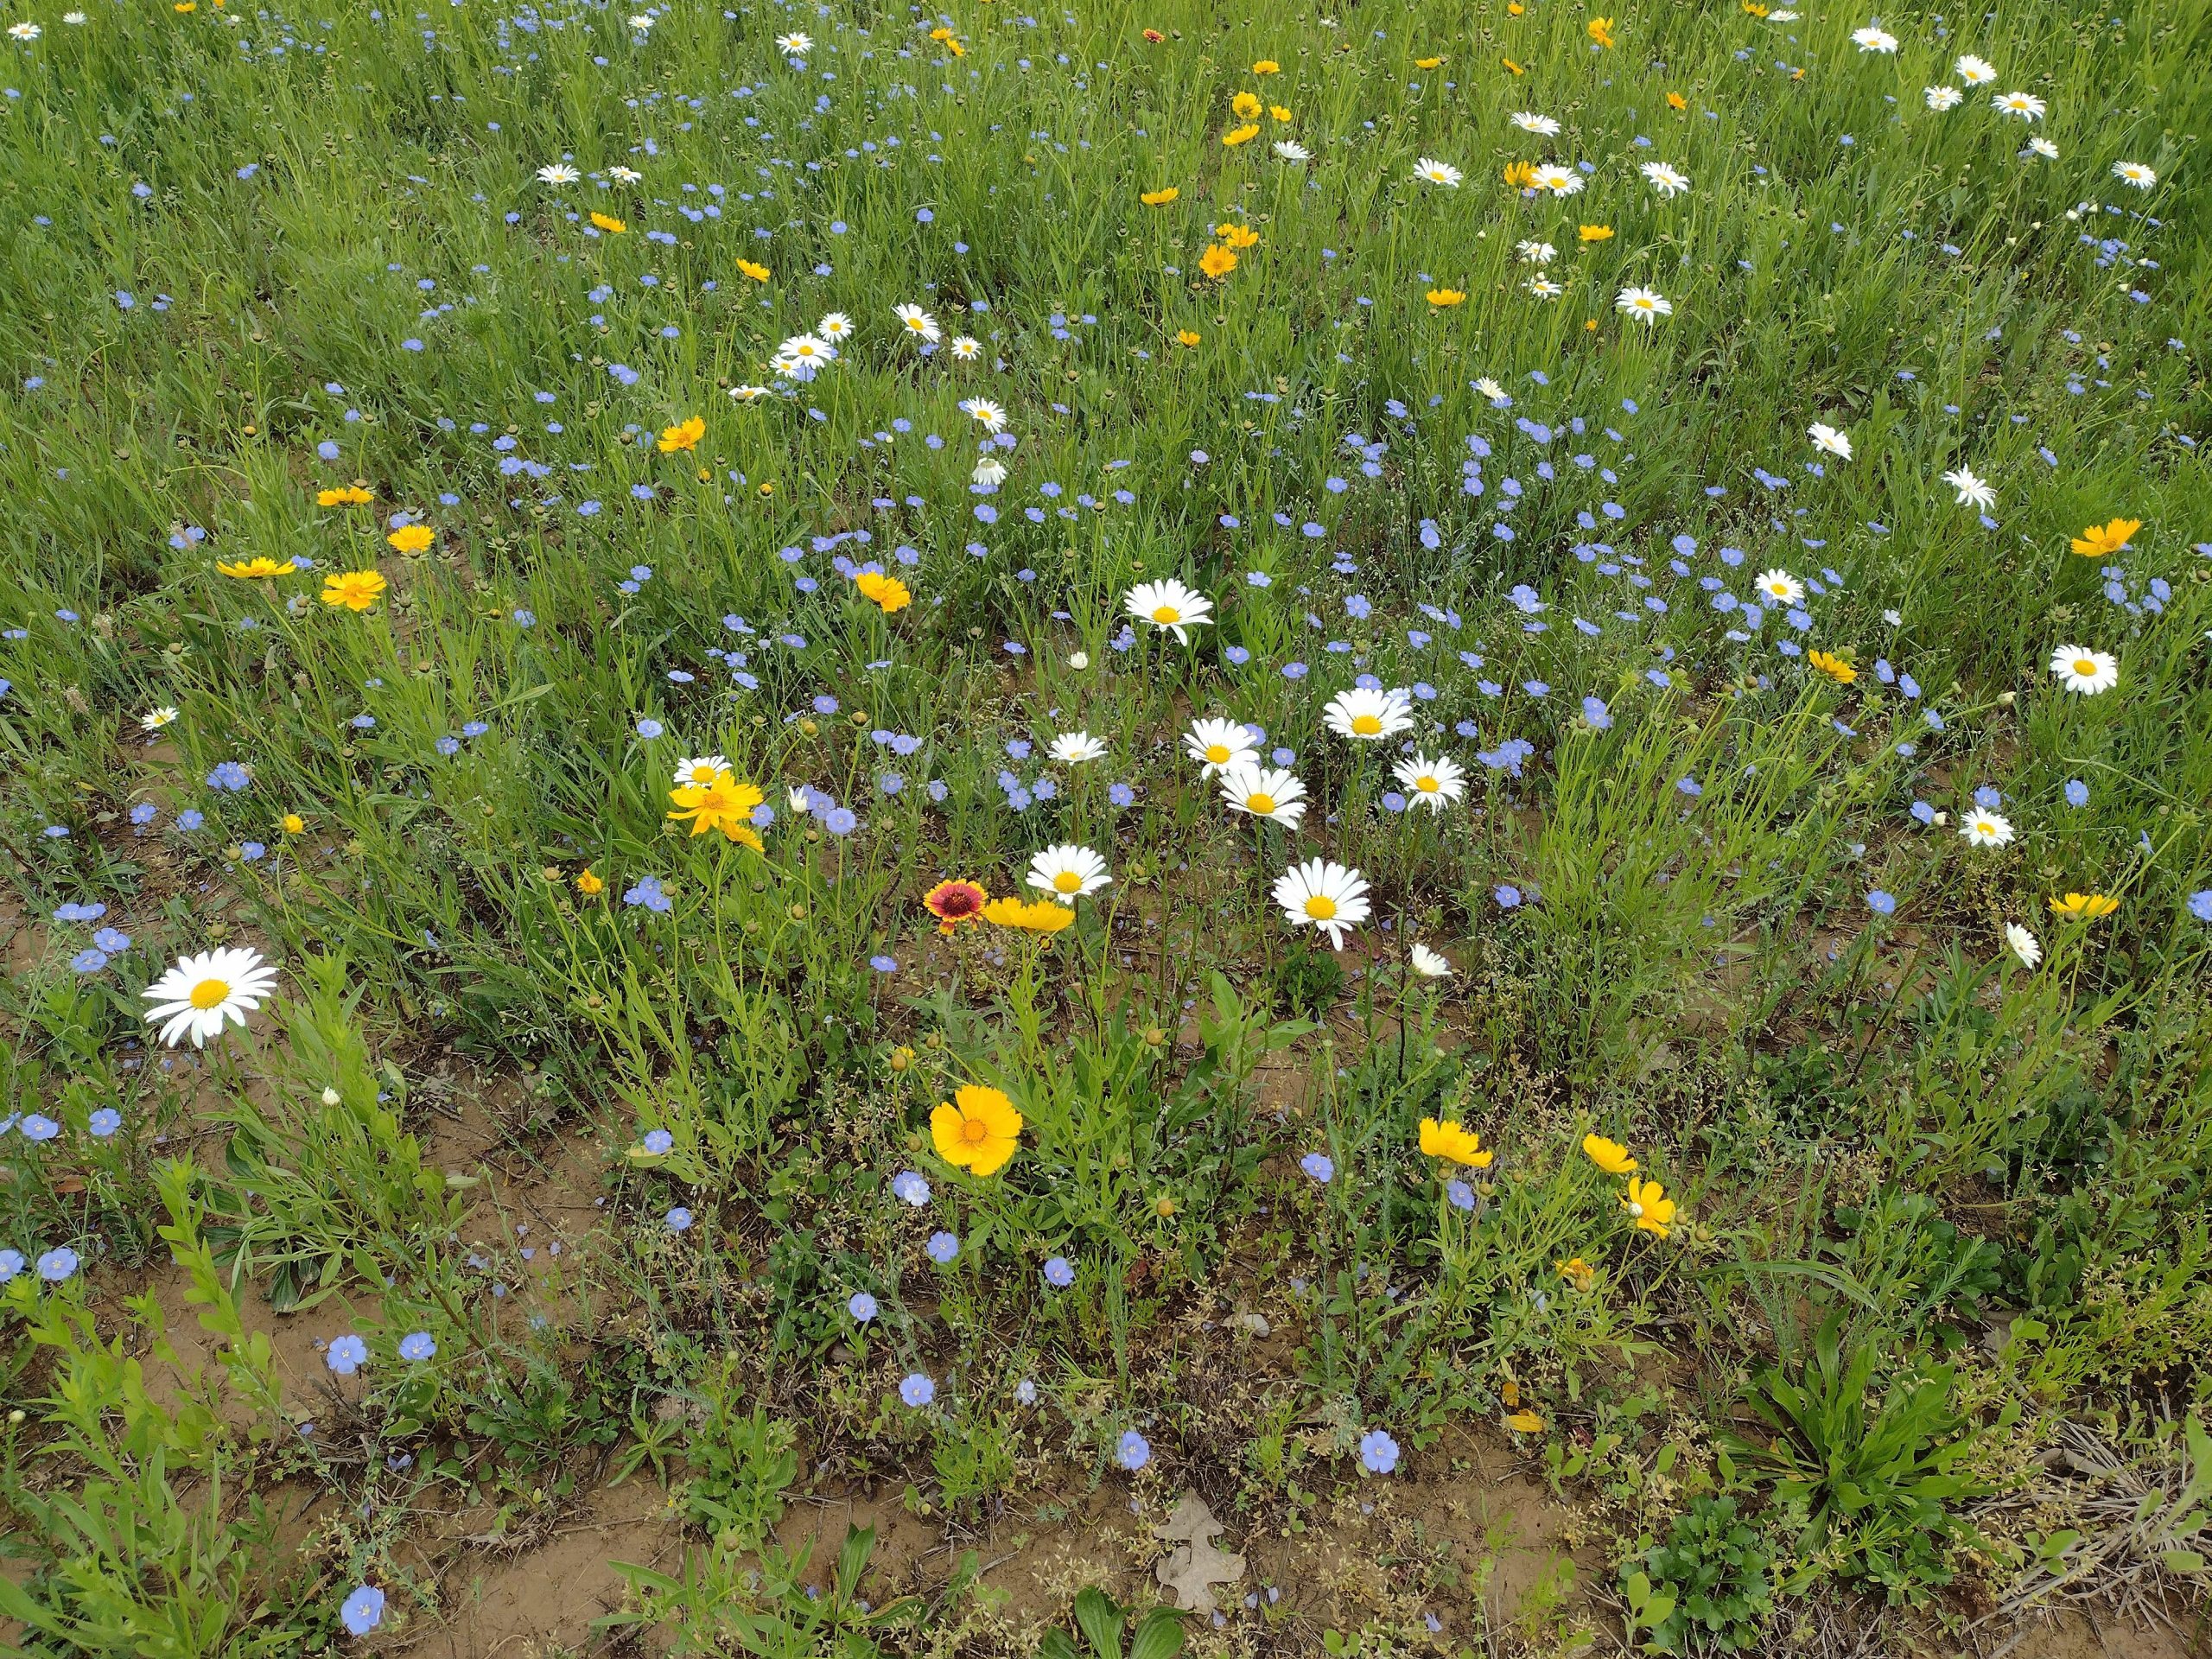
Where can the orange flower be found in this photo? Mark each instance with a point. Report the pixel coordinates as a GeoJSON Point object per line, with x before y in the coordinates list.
{"type": "Point", "coordinates": [1154, 36]}
{"type": "Point", "coordinates": [611, 226]}
{"type": "Point", "coordinates": [1216, 262]}
{"type": "Point", "coordinates": [955, 902]}
{"type": "Point", "coordinates": [1160, 198]}
{"type": "Point", "coordinates": [2102, 541]}
{"type": "Point", "coordinates": [684, 434]}
{"type": "Point", "coordinates": [1676, 101]}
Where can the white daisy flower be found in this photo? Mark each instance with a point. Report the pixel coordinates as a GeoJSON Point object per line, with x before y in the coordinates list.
{"type": "Point", "coordinates": [1217, 744]}
{"type": "Point", "coordinates": [989, 474]}
{"type": "Point", "coordinates": [1323, 895]}
{"type": "Point", "coordinates": [2134, 173]}
{"type": "Point", "coordinates": [1666, 180]}
{"type": "Point", "coordinates": [1874, 39]}
{"type": "Point", "coordinates": [1780, 586]}
{"type": "Point", "coordinates": [1169, 605]}
{"type": "Point", "coordinates": [1534, 252]}
{"type": "Point", "coordinates": [1490, 388]}
{"type": "Point", "coordinates": [1646, 305]}
{"type": "Point", "coordinates": [154, 719]}
{"type": "Point", "coordinates": [1265, 793]}
{"type": "Point", "coordinates": [2083, 670]}
{"type": "Point", "coordinates": [1073, 749]}
{"type": "Point", "coordinates": [1290, 150]}
{"type": "Point", "coordinates": [1982, 828]}
{"type": "Point", "coordinates": [557, 173]}
{"type": "Point", "coordinates": [2043, 148]}
{"type": "Point", "coordinates": [916, 320]}
{"type": "Point", "coordinates": [700, 769]}
{"type": "Point", "coordinates": [1975, 72]}
{"type": "Point", "coordinates": [1542, 126]}
{"type": "Point", "coordinates": [796, 44]}
{"type": "Point", "coordinates": [2026, 105]}
{"type": "Point", "coordinates": [1430, 964]}
{"type": "Point", "coordinates": [989, 416]}
{"type": "Point", "coordinates": [1368, 714]}
{"type": "Point", "coordinates": [1944, 97]}
{"type": "Point", "coordinates": [201, 994]}
{"type": "Point", "coordinates": [1068, 872]}
{"type": "Point", "coordinates": [1834, 440]}
{"type": "Point", "coordinates": [1559, 180]}
{"type": "Point", "coordinates": [1436, 172]}
{"type": "Point", "coordinates": [1432, 783]}
{"type": "Point", "coordinates": [834, 327]}
{"type": "Point", "coordinates": [2024, 943]}
{"type": "Point", "coordinates": [747, 394]}
{"type": "Point", "coordinates": [1544, 288]}
{"type": "Point", "coordinates": [966, 348]}
{"type": "Point", "coordinates": [1973, 491]}
{"type": "Point", "coordinates": [24, 31]}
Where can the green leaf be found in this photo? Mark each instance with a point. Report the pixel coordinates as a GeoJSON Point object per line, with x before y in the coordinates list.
{"type": "Point", "coordinates": [1160, 1635]}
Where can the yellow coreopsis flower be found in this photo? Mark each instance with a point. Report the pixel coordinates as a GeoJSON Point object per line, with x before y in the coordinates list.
{"type": "Point", "coordinates": [758, 273]}
{"type": "Point", "coordinates": [2103, 541]}
{"type": "Point", "coordinates": [1596, 232]}
{"type": "Point", "coordinates": [1279, 113]}
{"type": "Point", "coordinates": [977, 1130]}
{"type": "Point", "coordinates": [684, 434]}
{"type": "Point", "coordinates": [1647, 1201]}
{"type": "Point", "coordinates": [589, 884]}
{"type": "Point", "coordinates": [254, 569]}
{"type": "Point", "coordinates": [725, 803]}
{"type": "Point", "coordinates": [1512, 65]}
{"type": "Point", "coordinates": [293, 823]}
{"type": "Point", "coordinates": [1676, 101]}
{"type": "Point", "coordinates": [352, 495]}
{"type": "Point", "coordinates": [611, 225]}
{"type": "Point", "coordinates": [1244, 135]}
{"type": "Point", "coordinates": [1832, 665]}
{"type": "Point", "coordinates": [1449, 1141]}
{"type": "Point", "coordinates": [1043, 917]}
{"type": "Point", "coordinates": [1245, 104]}
{"type": "Point", "coordinates": [1160, 198]}
{"type": "Point", "coordinates": [1186, 337]}
{"type": "Point", "coordinates": [1237, 235]}
{"type": "Point", "coordinates": [412, 538]}
{"type": "Point", "coordinates": [1216, 262]}
{"type": "Point", "coordinates": [888, 592]}
{"type": "Point", "coordinates": [1441, 297]}
{"type": "Point", "coordinates": [356, 590]}
{"type": "Point", "coordinates": [1609, 1155]}
{"type": "Point", "coordinates": [1601, 30]}
{"type": "Point", "coordinates": [1577, 1272]}
{"type": "Point", "coordinates": [2083, 906]}
{"type": "Point", "coordinates": [1427, 63]}
{"type": "Point", "coordinates": [1521, 176]}
{"type": "Point", "coordinates": [1266, 66]}
{"type": "Point", "coordinates": [1525, 1422]}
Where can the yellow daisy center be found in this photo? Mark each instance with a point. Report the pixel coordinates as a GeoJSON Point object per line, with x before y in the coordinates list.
{"type": "Point", "coordinates": [1367, 725]}
{"type": "Point", "coordinates": [1321, 907]}
{"type": "Point", "coordinates": [974, 1130]}
{"type": "Point", "coordinates": [1066, 882]}
{"type": "Point", "coordinates": [1426, 785]}
{"type": "Point", "coordinates": [1216, 754]}
{"type": "Point", "coordinates": [1167, 614]}
{"type": "Point", "coordinates": [211, 993]}
{"type": "Point", "coordinates": [2084, 667]}
{"type": "Point", "coordinates": [1261, 802]}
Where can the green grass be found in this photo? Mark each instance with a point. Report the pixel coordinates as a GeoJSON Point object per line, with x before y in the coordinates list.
{"type": "Point", "coordinates": [1699, 896]}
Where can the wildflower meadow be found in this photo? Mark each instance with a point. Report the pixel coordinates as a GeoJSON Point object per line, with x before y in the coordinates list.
{"type": "Point", "coordinates": [852, 831]}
